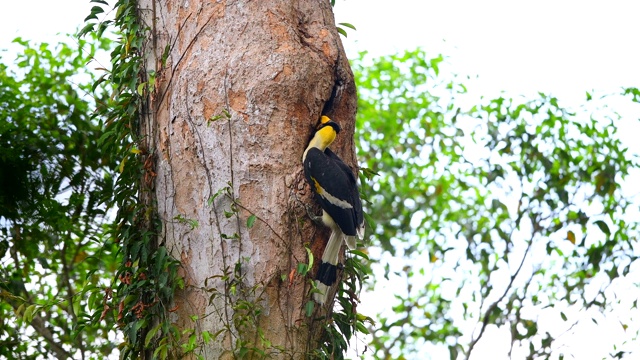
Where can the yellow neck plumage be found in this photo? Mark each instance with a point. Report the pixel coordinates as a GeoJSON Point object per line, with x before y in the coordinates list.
{"type": "Point", "coordinates": [321, 140]}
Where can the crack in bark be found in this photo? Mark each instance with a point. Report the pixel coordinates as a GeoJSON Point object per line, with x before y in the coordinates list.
{"type": "Point", "coordinates": [336, 90]}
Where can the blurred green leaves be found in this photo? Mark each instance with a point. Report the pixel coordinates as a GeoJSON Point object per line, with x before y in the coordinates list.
{"type": "Point", "coordinates": [53, 183]}
{"type": "Point", "coordinates": [485, 211]}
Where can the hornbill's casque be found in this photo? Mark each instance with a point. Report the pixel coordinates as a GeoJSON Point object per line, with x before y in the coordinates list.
{"type": "Point", "coordinates": [335, 189]}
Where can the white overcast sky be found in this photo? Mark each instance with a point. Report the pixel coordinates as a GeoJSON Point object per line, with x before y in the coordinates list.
{"type": "Point", "coordinates": [564, 48]}
{"type": "Point", "coordinates": [561, 47]}
{"type": "Point", "coordinates": [517, 46]}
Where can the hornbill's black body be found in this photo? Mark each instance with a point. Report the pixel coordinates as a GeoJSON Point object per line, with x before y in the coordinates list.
{"type": "Point", "coordinates": [335, 189]}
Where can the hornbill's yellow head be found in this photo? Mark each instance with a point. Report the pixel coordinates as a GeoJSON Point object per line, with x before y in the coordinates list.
{"type": "Point", "coordinates": [324, 135]}
{"type": "Point", "coordinates": [326, 132]}
{"type": "Point", "coordinates": [326, 121]}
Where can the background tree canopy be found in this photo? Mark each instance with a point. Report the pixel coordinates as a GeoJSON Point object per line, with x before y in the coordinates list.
{"type": "Point", "coordinates": [500, 213]}
{"type": "Point", "coordinates": [55, 263]}
{"type": "Point", "coordinates": [504, 212]}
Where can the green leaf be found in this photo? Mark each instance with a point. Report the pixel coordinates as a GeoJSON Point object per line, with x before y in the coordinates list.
{"type": "Point", "coordinates": [86, 29]}
{"type": "Point", "coordinates": [206, 337]}
{"type": "Point", "coordinates": [140, 88]}
{"type": "Point", "coordinates": [370, 221]}
{"type": "Point", "coordinates": [347, 25]}
{"type": "Point", "coordinates": [97, 10]}
{"type": "Point", "coordinates": [302, 269]}
{"type": "Point", "coordinates": [368, 173]}
{"type": "Point", "coordinates": [310, 256]}
{"type": "Point", "coordinates": [361, 328]}
{"type": "Point", "coordinates": [28, 313]}
{"type": "Point", "coordinates": [308, 308]}
{"type": "Point", "coordinates": [603, 227]}
{"type": "Point", "coordinates": [251, 220]}
{"type": "Point", "coordinates": [151, 334]}
{"type": "Point", "coordinates": [91, 16]}
{"type": "Point", "coordinates": [97, 83]}
{"type": "Point", "coordinates": [161, 351]}
{"type": "Point", "coordinates": [359, 253]}
{"type": "Point", "coordinates": [453, 352]}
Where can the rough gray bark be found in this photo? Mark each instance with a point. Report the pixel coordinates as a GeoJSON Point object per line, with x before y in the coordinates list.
{"type": "Point", "coordinates": [274, 67]}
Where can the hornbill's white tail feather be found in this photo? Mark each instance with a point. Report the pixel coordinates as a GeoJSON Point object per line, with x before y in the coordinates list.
{"type": "Point", "coordinates": [327, 273]}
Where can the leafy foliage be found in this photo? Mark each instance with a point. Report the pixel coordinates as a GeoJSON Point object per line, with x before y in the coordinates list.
{"type": "Point", "coordinates": [497, 211]}
{"type": "Point", "coordinates": [55, 261]}
{"type": "Point", "coordinates": [346, 322]}
{"type": "Point", "coordinates": [147, 275]}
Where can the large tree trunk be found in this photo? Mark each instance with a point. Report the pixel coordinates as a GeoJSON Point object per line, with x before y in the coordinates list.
{"type": "Point", "coordinates": [239, 85]}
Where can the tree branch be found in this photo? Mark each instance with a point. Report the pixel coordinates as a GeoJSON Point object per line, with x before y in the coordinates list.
{"type": "Point", "coordinates": [494, 305]}
{"type": "Point", "coordinates": [39, 325]}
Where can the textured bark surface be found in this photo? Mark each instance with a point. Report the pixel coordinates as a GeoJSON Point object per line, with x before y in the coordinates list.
{"type": "Point", "coordinates": [275, 67]}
